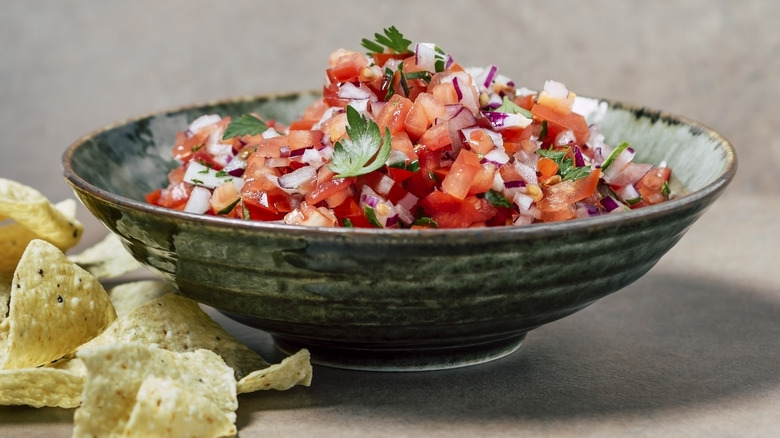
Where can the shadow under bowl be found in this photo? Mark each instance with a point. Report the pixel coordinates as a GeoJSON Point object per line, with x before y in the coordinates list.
{"type": "Point", "coordinates": [391, 299]}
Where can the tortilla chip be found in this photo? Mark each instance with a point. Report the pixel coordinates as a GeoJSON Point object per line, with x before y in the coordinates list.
{"type": "Point", "coordinates": [165, 408]}
{"type": "Point", "coordinates": [39, 387]}
{"type": "Point", "coordinates": [54, 307]}
{"type": "Point", "coordinates": [5, 295]}
{"type": "Point", "coordinates": [116, 372]}
{"type": "Point", "coordinates": [177, 323]}
{"type": "Point", "coordinates": [293, 370]}
{"type": "Point", "coordinates": [15, 234]}
{"type": "Point", "coordinates": [56, 385]}
{"type": "Point", "coordinates": [127, 296]}
{"type": "Point", "coordinates": [107, 259]}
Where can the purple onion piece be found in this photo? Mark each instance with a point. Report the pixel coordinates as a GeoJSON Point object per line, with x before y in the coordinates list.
{"type": "Point", "coordinates": [455, 83]}
{"type": "Point", "coordinates": [609, 203]}
{"type": "Point", "coordinates": [236, 172]}
{"type": "Point", "coordinates": [578, 160]}
{"type": "Point", "coordinates": [514, 184]}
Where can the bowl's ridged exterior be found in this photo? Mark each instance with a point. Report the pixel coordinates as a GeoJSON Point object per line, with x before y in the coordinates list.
{"type": "Point", "coordinates": [365, 298]}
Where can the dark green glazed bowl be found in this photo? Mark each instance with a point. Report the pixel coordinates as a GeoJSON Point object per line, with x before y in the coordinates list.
{"type": "Point", "coordinates": [392, 299]}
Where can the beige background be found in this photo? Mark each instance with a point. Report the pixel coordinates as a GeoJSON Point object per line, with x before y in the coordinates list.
{"type": "Point", "coordinates": [692, 349]}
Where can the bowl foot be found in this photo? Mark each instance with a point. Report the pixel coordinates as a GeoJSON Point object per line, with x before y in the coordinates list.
{"type": "Point", "coordinates": [403, 359]}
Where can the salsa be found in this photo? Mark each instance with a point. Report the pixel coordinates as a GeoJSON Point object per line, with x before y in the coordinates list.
{"type": "Point", "coordinates": [405, 137]}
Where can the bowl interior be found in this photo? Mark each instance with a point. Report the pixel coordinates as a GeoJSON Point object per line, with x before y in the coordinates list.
{"type": "Point", "coordinates": [132, 158]}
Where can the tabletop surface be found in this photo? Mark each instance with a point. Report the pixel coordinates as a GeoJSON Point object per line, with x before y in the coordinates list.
{"type": "Point", "coordinates": [691, 349]}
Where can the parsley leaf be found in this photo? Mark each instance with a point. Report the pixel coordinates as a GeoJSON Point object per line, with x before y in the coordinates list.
{"type": "Point", "coordinates": [244, 125]}
{"type": "Point", "coordinates": [392, 38]}
{"type": "Point", "coordinates": [364, 151]}
{"type": "Point", "coordinates": [507, 106]}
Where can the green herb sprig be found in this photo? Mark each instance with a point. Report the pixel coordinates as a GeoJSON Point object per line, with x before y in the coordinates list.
{"type": "Point", "coordinates": [364, 151]}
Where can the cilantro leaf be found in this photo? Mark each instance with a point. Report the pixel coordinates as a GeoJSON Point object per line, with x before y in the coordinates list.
{"type": "Point", "coordinates": [567, 169]}
{"type": "Point", "coordinates": [244, 125]}
{"type": "Point", "coordinates": [392, 39]}
{"type": "Point", "coordinates": [371, 216]}
{"type": "Point", "coordinates": [364, 151]}
{"type": "Point", "coordinates": [507, 106]}
{"type": "Point", "coordinates": [497, 199]}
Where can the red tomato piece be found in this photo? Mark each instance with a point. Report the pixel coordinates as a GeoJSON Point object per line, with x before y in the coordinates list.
{"type": "Point", "coordinates": [462, 172]}
{"type": "Point", "coordinates": [557, 122]}
{"type": "Point", "coordinates": [450, 212]}
{"type": "Point", "coordinates": [393, 114]}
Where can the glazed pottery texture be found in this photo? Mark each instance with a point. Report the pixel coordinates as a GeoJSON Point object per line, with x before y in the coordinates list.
{"type": "Point", "coordinates": [391, 299]}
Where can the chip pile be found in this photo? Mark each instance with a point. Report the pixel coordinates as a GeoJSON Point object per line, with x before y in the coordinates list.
{"type": "Point", "coordinates": [136, 360]}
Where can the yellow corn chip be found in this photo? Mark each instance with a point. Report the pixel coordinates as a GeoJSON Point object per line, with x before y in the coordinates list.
{"type": "Point", "coordinates": [116, 372]}
{"type": "Point", "coordinates": [39, 387]}
{"type": "Point", "coordinates": [165, 408]}
{"type": "Point", "coordinates": [106, 259]}
{"type": "Point", "coordinates": [293, 370]}
{"type": "Point", "coordinates": [177, 323]}
{"type": "Point", "coordinates": [16, 234]}
{"type": "Point", "coordinates": [5, 296]}
{"type": "Point", "coordinates": [127, 296]}
{"type": "Point", "coordinates": [54, 307]}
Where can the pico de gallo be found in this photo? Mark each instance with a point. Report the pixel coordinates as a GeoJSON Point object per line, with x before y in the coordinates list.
{"type": "Point", "coordinates": [405, 137]}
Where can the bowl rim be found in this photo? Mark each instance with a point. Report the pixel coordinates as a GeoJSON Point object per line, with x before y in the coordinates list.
{"type": "Point", "coordinates": [711, 190]}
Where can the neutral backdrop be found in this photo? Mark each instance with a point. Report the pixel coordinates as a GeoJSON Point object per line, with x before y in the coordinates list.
{"type": "Point", "coordinates": [692, 349]}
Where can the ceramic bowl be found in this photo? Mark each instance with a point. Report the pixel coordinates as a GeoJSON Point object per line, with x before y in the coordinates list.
{"type": "Point", "coordinates": [391, 299]}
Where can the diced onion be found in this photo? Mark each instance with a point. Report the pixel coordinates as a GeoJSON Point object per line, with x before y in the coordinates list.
{"type": "Point", "coordinates": [297, 177]}
{"type": "Point", "coordinates": [199, 201]}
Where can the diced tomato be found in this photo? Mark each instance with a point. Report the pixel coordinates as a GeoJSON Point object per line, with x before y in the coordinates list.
{"type": "Point", "coordinates": [327, 189]}
{"type": "Point", "coordinates": [557, 122]}
{"type": "Point", "coordinates": [422, 182]}
{"type": "Point", "coordinates": [154, 197]}
{"type": "Point", "coordinates": [461, 174]}
{"type": "Point", "coordinates": [450, 212]}
{"type": "Point", "coordinates": [393, 114]}
{"type": "Point", "coordinates": [265, 205]}
{"type": "Point", "coordinates": [330, 94]}
{"type": "Point", "coordinates": [223, 197]}
{"type": "Point", "coordinates": [526, 101]}
{"type": "Point", "coordinates": [480, 142]}
{"type": "Point", "coordinates": [652, 184]}
{"type": "Point", "coordinates": [483, 180]}
{"type": "Point", "coordinates": [399, 175]}
{"type": "Point", "coordinates": [444, 93]}
{"type": "Point", "coordinates": [400, 142]}
{"type": "Point", "coordinates": [437, 136]}
{"type": "Point", "coordinates": [303, 139]}
{"type": "Point", "coordinates": [347, 68]}
{"type": "Point", "coordinates": [350, 210]}
{"type": "Point", "coordinates": [382, 58]}
{"type": "Point", "coordinates": [175, 196]}
{"type": "Point", "coordinates": [546, 167]}
{"type": "Point", "coordinates": [559, 198]}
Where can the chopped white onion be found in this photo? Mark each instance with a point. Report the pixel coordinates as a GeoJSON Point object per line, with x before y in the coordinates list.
{"type": "Point", "coordinates": [297, 177]}
{"type": "Point", "coordinates": [201, 175]}
{"type": "Point", "coordinates": [199, 201]}
{"type": "Point", "coordinates": [202, 122]}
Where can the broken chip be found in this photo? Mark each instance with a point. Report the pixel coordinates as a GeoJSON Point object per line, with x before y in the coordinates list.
{"type": "Point", "coordinates": [57, 386]}
{"type": "Point", "coordinates": [106, 259]}
{"type": "Point", "coordinates": [54, 307]}
{"type": "Point", "coordinates": [166, 408]}
{"type": "Point", "coordinates": [116, 372]}
{"type": "Point", "coordinates": [177, 323]}
{"type": "Point", "coordinates": [21, 222]}
{"type": "Point", "coordinates": [128, 296]}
